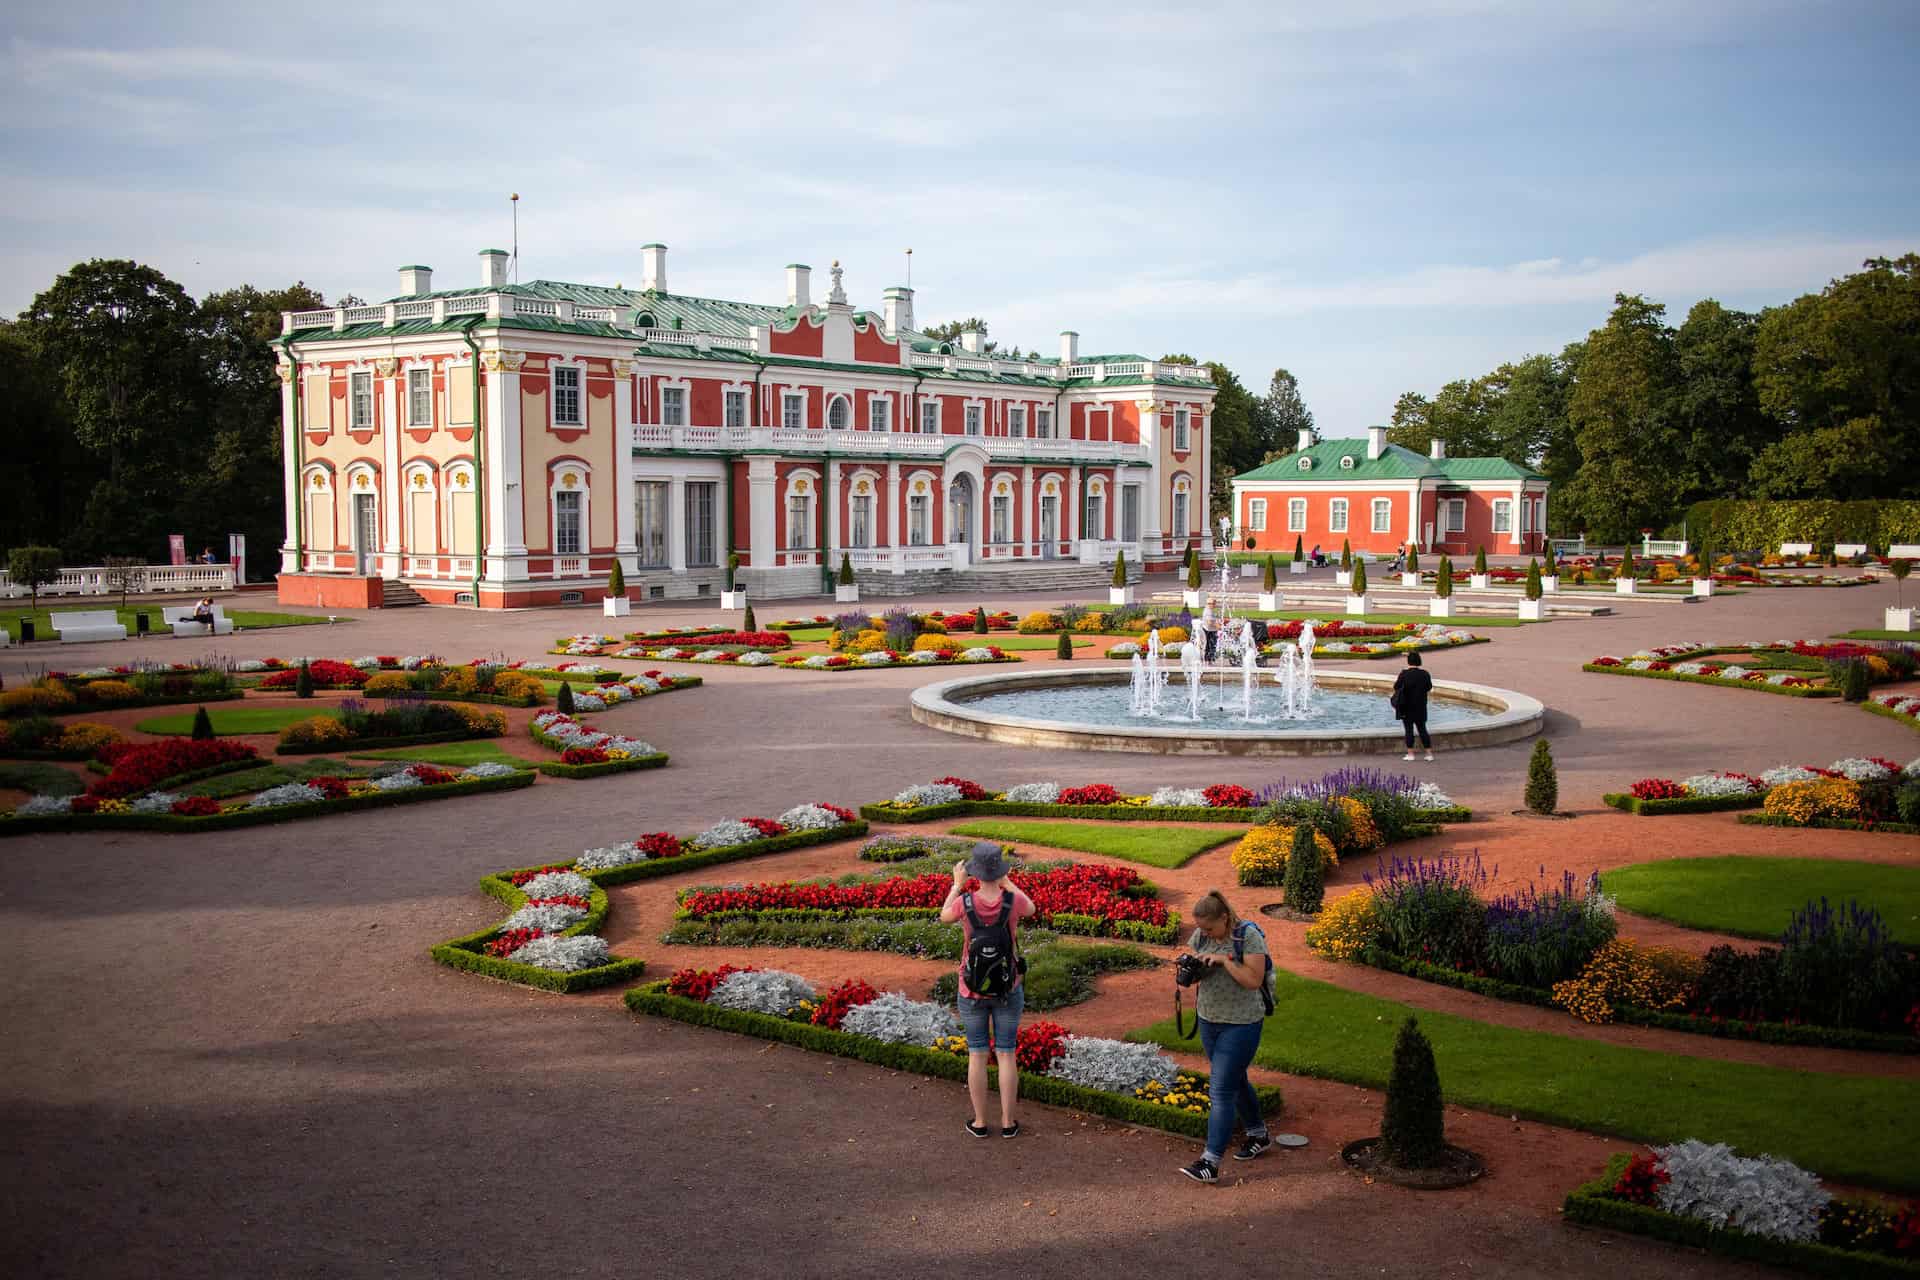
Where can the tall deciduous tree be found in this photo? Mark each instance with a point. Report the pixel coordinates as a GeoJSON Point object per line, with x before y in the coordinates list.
{"type": "Point", "coordinates": [1622, 414]}
{"type": "Point", "coordinates": [1286, 411]}
{"type": "Point", "coordinates": [1716, 410]}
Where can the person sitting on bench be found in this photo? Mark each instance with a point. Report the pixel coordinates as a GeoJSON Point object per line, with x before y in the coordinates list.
{"type": "Point", "coordinates": [1319, 558]}
{"type": "Point", "coordinates": [203, 612]}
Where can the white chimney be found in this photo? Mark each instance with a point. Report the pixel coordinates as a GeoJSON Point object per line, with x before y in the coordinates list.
{"type": "Point", "coordinates": [416, 281]}
{"type": "Point", "coordinates": [799, 285]}
{"type": "Point", "coordinates": [1306, 440]}
{"type": "Point", "coordinates": [1438, 449]}
{"type": "Point", "coordinates": [970, 341]}
{"type": "Point", "coordinates": [1069, 347]}
{"type": "Point", "coordinates": [898, 309]}
{"type": "Point", "coordinates": [1376, 442]}
{"type": "Point", "coordinates": [493, 268]}
{"type": "Point", "coordinates": [653, 268]}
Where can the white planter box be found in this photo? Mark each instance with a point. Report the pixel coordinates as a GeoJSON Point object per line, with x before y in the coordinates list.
{"type": "Point", "coordinates": [1900, 619]}
{"type": "Point", "coordinates": [616, 606]}
{"type": "Point", "coordinates": [734, 599]}
{"type": "Point", "coordinates": [1703, 586]}
{"type": "Point", "coordinates": [1479, 581]}
{"type": "Point", "coordinates": [1250, 570]}
{"type": "Point", "coordinates": [1549, 582]}
{"type": "Point", "coordinates": [1358, 605]}
{"type": "Point", "coordinates": [849, 594]}
{"type": "Point", "coordinates": [1119, 595]}
{"type": "Point", "coordinates": [1194, 599]}
{"type": "Point", "coordinates": [1343, 577]}
{"type": "Point", "coordinates": [1533, 610]}
{"type": "Point", "coordinates": [1440, 607]}
{"type": "Point", "coordinates": [1626, 586]}
{"type": "Point", "coordinates": [1297, 566]}
{"type": "Point", "coordinates": [1410, 579]}
{"type": "Point", "coordinates": [1269, 603]}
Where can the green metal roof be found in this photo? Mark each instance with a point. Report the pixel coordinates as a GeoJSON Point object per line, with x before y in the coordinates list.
{"type": "Point", "coordinates": [1484, 469]}
{"type": "Point", "coordinates": [1396, 463]}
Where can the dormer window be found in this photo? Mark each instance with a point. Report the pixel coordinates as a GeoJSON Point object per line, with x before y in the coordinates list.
{"type": "Point", "coordinates": [1306, 463]}
{"type": "Point", "coordinates": [1346, 462]}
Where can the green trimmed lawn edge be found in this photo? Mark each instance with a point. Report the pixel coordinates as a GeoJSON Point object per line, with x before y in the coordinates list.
{"type": "Point", "coordinates": [1832, 824]}
{"type": "Point", "coordinates": [785, 665]}
{"type": "Point", "coordinates": [242, 620]}
{"type": "Point", "coordinates": [1589, 1205]}
{"type": "Point", "coordinates": [238, 720]}
{"type": "Point", "coordinates": [470, 751]}
{"type": "Point", "coordinates": [469, 953]}
{"type": "Point", "coordinates": [347, 746]}
{"type": "Point", "coordinates": [1814, 691]}
{"type": "Point", "coordinates": [1684, 804]}
{"type": "Point", "coordinates": [653, 999]}
{"type": "Point", "coordinates": [560, 769]}
{"type": "Point", "coordinates": [654, 867]}
{"type": "Point", "coordinates": [886, 811]}
{"type": "Point", "coordinates": [1882, 709]}
{"type": "Point", "coordinates": [1872, 633]}
{"type": "Point", "coordinates": [1835, 1125]}
{"type": "Point", "coordinates": [1751, 897]}
{"type": "Point", "coordinates": [254, 817]}
{"type": "Point", "coordinates": [1127, 844]}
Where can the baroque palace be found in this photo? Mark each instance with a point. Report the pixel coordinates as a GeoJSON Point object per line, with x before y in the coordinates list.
{"type": "Point", "coordinates": [503, 445]}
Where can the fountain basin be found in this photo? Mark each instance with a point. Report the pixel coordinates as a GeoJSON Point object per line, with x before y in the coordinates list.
{"type": "Point", "coordinates": [1494, 716]}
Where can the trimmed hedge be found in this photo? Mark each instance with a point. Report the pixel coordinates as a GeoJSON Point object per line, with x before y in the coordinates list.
{"type": "Point", "coordinates": [654, 867]}
{"type": "Point", "coordinates": [469, 953]}
{"type": "Point", "coordinates": [1881, 709]}
{"type": "Point", "coordinates": [560, 769]}
{"type": "Point", "coordinates": [256, 817]}
{"type": "Point", "coordinates": [1812, 691]}
{"type": "Point", "coordinates": [1685, 804]}
{"type": "Point", "coordinates": [1832, 824]}
{"type": "Point", "coordinates": [1589, 1204]}
{"type": "Point", "coordinates": [1759, 524]}
{"type": "Point", "coordinates": [653, 999]}
{"type": "Point", "coordinates": [1064, 922]}
{"type": "Point", "coordinates": [1725, 1029]}
{"type": "Point", "coordinates": [342, 745]}
{"type": "Point", "coordinates": [160, 700]}
{"type": "Point", "coordinates": [885, 811]}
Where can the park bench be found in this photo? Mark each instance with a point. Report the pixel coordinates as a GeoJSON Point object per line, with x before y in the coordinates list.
{"type": "Point", "coordinates": [1796, 548]}
{"type": "Point", "coordinates": [180, 618]}
{"type": "Point", "coordinates": [1904, 551]}
{"type": "Point", "coordinates": [88, 624]}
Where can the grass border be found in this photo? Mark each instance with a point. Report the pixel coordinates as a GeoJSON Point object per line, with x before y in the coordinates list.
{"type": "Point", "coordinates": [561, 769]}
{"type": "Point", "coordinates": [1882, 709]}
{"type": "Point", "coordinates": [1786, 691]}
{"type": "Point", "coordinates": [885, 811]}
{"type": "Point", "coordinates": [1684, 804]}
{"type": "Point", "coordinates": [1832, 824]}
{"type": "Point", "coordinates": [349, 745]}
{"type": "Point", "coordinates": [652, 999]}
{"type": "Point", "coordinates": [469, 953]}
{"type": "Point", "coordinates": [1590, 1205]}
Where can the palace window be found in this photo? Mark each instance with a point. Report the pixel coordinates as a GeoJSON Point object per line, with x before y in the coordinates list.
{"type": "Point", "coordinates": [877, 407]}
{"type": "Point", "coordinates": [703, 547]}
{"type": "Point", "coordinates": [930, 418]}
{"type": "Point", "coordinates": [1456, 515]}
{"type": "Point", "coordinates": [793, 410]}
{"type": "Point", "coordinates": [1002, 519]}
{"type": "Point", "coordinates": [1180, 430]}
{"type": "Point", "coordinates": [1017, 422]}
{"type": "Point", "coordinates": [1129, 511]}
{"type": "Point", "coordinates": [673, 406]}
{"type": "Point", "coordinates": [862, 521]}
{"type": "Point", "coordinates": [1180, 515]}
{"type": "Point", "coordinates": [1337, 516]}
{"type": "Point", "coordinates": [566, 396]}
{"type": "Point", "coordinates": [917, 520]}
{"type": "Point", "coordinates": [837, 414]}
{"type": "Point", "coordinates": [1502, 516]}
{"type": "Point", "coordinates": [1257, 514]}
{"type": "Point", "coordinates": [650, 522]}
{"type": "Point", "coordinates": [1093, 516]}
{"type": "Point", "coordinates": [420, 397]}
{"type": "Point", "coordinates": [360, 389]}
{"type": "Point", "coordinates": [973, 419]}
{"type": "Point", "coordinates": [1043, 424]}
{"type": "Point", "coordinates": [1382, 515]}
{"type": "Point", "coordinates": [566, 522]}
{"type": "Point", "coordinates": [1296, 515]}
{"type": "Point", "coordinates": [799, 522]}
{"type": "Point", "coordinates": [736, 408]}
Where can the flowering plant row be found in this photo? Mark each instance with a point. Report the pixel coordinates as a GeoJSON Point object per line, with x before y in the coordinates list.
{"type": "Point", "coordinates": [135, 767]}
{"type": "Point", "coordinates": [550, 938]}
{"type": "Point", "coordinates": [936, 655]}
{"type": "Point", "coordinates": [1856, 788]}
{"type": "Point", "coordinates": [691, 639]}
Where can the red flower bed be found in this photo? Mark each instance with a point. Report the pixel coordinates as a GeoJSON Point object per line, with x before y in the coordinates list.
{"type": "Point", "coordinates": [698, 984]}
{"type": "Point", "coordinates": [1228, 795]}
{"type": "Point", "coordinates": [561, 900]}
{"type": "Point", "coordinates": [1095, 793]}
{"type": "Point", "coordinates": [196, 807]}
{"type": "Point", "coordinates": [1331, 629]}
{"type": "Point", "coordinates": [1037, 1044]}
{"type": "Point", "coordinates": [1090, 889]}
{"type": "Point", "coordinates": [711, 635]}
{"type": "Point", "coordinates": [511, 941]}
{"type": "Point", "coordinates": [845, 815]}
{"type": "Point", "coordinates": [519, 878]}
{"type": "Point", "coordinates": [326, 673]}
{"type": "Point", "coordinates": [1657, 789]}
{"type": "Point", "coordinates": [833, 1006]}
{"type": "Point", "coordinates": [431, 775]}
{"type": "Point", "coordinates": [1604, 662]}
{"type": "Point", "coordinates": [140, 766]}
{"type": "Point", "coordinates": [765, 826]}
{"type": "Point", "coordinates": [968, 790]}
{"type": "Point", "coordinates": [1642, 1179]}
{"type": "Point", "coordinates": [659, 844]}
{"type": "Point", "coordinates": [837, 661]}
{"type": "Point", "coordinates": [329, 786]}
{"type": "Point", "coordinates": [584, 755]}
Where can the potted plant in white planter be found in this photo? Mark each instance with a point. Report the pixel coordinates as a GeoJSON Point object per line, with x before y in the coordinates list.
{"type": "Point", "coordinates": [1479, 580]}
{"type": "Point", "coordinates": [1532, 608]}
{"type": "Point", "coordinates": [1249, 569]}
{"type": "Point", "coordinates": [1441, 605]}
{"type": "Point", "coordinates": [735, 596]}
{"type": "Point", "coordinates": [1357, 593]}
{"type": "Point", "coordinates": [616, 604]}
{"type": "Point", "coordinates": [1194, 597]}
{"type": "Point", "coordinates": [1119, 592]}
{"type": "Point", "coordinates": [1343, 576]}
{"type": "Point", "coordinates": [1269, 588]}
{"type": "Point", "coordinates": [1703, 580]}
{"type": "Point", "coordinates": [846, 590]}
{"type": "Point", "coordinates": [1410, 576]}
{"type": "Point", "coordinates": [1899, 618]}
{"type": "Point", "coordinates": [1623, 581]}
{"type": "Point", "coordinates": [1550, 576]}
{"type": "Point", "coordinates": [1299, 562]}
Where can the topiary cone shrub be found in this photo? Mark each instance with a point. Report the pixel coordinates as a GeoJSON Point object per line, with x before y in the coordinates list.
{"type": "Point", "coordinates": [1346, 553]}
{"type": "Point", "coordinates": [1480, 560]}
{"type": "Point", "coordinates": [1193, 555]}
{"type": "Point", "coordinates": [1534, 589]}
{"type": "Point", "coordinates": [733, 570]}
{"type": "Point", "coordinates": [1853, 686]}
{"type": "Point", "coordinates": [1299, 550]}
{"type": "Point", "coordinates": [1359, 578]}
{"type": "Point", "coordinates": [979, 619]}
{"type": "Point", "coordinates": [746, 622]}
{"type": "Point", "coordinates": [616, 581]}
{"type": "Point", "coordinates": [1305, 886]}
{"type": "Point", "coordinates": [1413, 1133]}
{"type": "Point", "coordinates": [303, 683]}
{"type": "Point", "coordinates": [1443, 581]}
{"type": "Point", "coordinates": [846, 569]}
{"type": "Point", "coordinates": [202, 725]}
{"type": "Point", "coordinates": [1543, 781]}
{"type": "Point", "coordinates": [1065, 648]}
{"type": "Point", "coordinates": [1269, 580]}
{"type": "Point", "coordinates": [1193, 574]}
{"type": "Point", "coordinates": [1626, 563]}
{"type": "Point", "coordinates": [1120, 568]}
{"type": "Point", "coordinates": [1413, 558]}
{"type": "Point", "coordinates": [1553, 566]}
{"type": "Point", "coordinates": [1899, 569]}
{"type": "Point", "coordinates": [564, 701]}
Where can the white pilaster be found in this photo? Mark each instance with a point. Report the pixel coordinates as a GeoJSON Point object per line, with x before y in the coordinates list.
{"type": "Point", "coordinates": [506, 552]}
{"type": "Point", "coordinates": [1513, 531]}
{"type": "Point", "coordinates": [676, 522]}
{"type": "Point", "coordinates": [1075, 512]}
{"type": "Point", "coordinates": [832, 498]}
{"type": "Point", "coordinates": [762, 498]}
{"type": "Point", "coordinates": [290, 471]}
{"type": "Point", "coordinates": [892, 505]}
{"type": "Point", "coordinates": [1029, 512]}
{"type": "Point", "coordinates": [624, 545]}
{"type": "Point", "coordinates": [392, 496]}
{"type": "Point", "coordinates": [1413, 514]}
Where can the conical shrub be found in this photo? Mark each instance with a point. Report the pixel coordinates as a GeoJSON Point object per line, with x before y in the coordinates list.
{"type": "Point", "coordinates": [1305, 887]}
{"type": "Point", "coordinates": [1193, 574]}
{"type": "Point", "coordinates": [1413, 558]}
{"type": "Point", "coordinates": [1346, 553]}
{"type": "Point", "coordinates": [1413, 1133]}
{"type": "Point", "coordinates": [1479, 559]}
{"type": "Point", "coordinates": [1269, 580]}
{"type": "Point", "coordinates": [202, 726]}
{"type": "Point", "coordinates": [1359, 587]}
{"type": "Point", "coordinates": [1065, 648]}
{"type": "Point", "coordinates": [1120, 568]}
{"type": "Point", "coordinates": [303, 683]}
{"type": "Point", "coordinates": [1443, 578]}
{"type": "Point", "coordinates": [1853, 686]}
{"type": "Point", "coordinates": [1543, 780]}
{"type": "Point", "coordinates": [746, 622]}
{"type": "Point", "coordinates": [1299, 549]}
{"type": "Point", "coordinates": [1534, 589]}
{"type": "Point", "coordinates": [564, 700]}
{"type": "Point", "coordinates": [846, 569]}
{"type": "Point", "coordinates": [616, 581]}
{"type": "Point", "coordinates": [979, 619]}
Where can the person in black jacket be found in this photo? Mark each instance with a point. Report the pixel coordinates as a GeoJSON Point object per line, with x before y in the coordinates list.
{"type": "Point", "coordinates": [1410, 703]}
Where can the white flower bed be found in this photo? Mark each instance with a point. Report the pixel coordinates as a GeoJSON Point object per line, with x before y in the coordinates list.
{"type": "Point", "coordinates": [755, 660]}
{"type": "Point", "coordinates": [924, 655]}
{"type": "Point", "coordinates": [810, 817]}
{"type": "Point", "coordinates": [1035, 793]}
{"type": "Point", "coordinates": [710, 655]}
{"type": "Point", "coordinates": [154, 802]}
{"type": "Point", "coordinates": [558, 884]}
{"type": "Point", "coordinates": [45, 807]}
{"type": "Point", "coordinates": [1125, 649]}
{"type": "Point", "coordinates": [878, 658]}
{"type": "Point", "coordinates": [606, 856]}
{"type": "Point", "coordinates": [398, 780]}
{"type": "Point", "coordinates": [1711, 785]}
{"type": "Point", "coordinates": [897, 1020]}
{"type": "Point", "coordinates": [1177, 798]}
{"type": "Point", "coordinates": [816, 661]}
{"type": "Point", "coordinates": [1112, 1065]}
{"type": "Point", "coordinates": [488, 769]}
{"type": "Point", "coordinates": [770, 991]}
{"type": "Point", "coordinates": [976, 655]}
{"type": "Point", "coordinates": [1783, 774]}
{"type": "Point", "coordinates": [547, 917]}
{"type": "Point", "coordinates": [1861, 770]}
{"type": "Point", "coordinates": [725, 834]}
{"type": "Point", "coordinates": [644, 685]}
{"type": "Point", "coordinates": [247, 666]}
{"type": "Point", "coordinates": [1733, 673]}
{"type": "Point", "coordinates": [1759, 1195]}
{"type": "Point", "coordinates": [584, 702]}
{"type": "Point", "coordinates": [290, 793]}
{"type": "Point", "coordinates": [564, 955]}
{"type": "Point", "coordinates": [1428, 795]}
{"type": "Point", "coordinates": [926, 794]}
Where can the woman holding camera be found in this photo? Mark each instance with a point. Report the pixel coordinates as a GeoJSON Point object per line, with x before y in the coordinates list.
{"type": "Point", "coordinates": [1233, 999]}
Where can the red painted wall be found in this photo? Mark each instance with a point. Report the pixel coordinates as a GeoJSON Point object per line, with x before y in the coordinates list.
{"type": "Point", "coordinates": [870, 345]}
{"type": "Point", "coordinates": [804, 339]}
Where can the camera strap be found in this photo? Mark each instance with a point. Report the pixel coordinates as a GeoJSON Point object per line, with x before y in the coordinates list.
{"type": "Point", "coordinates": [1179, 1011]}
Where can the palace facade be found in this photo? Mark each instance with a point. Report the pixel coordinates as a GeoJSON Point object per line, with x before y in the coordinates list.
{"type": "Point", "coordinates": [504, 444]}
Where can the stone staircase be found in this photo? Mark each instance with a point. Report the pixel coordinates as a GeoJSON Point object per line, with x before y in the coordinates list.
{"type": "Point", "coordinates": [395, 594]}
{"type": "Point", "coordinates": [1057, 576]}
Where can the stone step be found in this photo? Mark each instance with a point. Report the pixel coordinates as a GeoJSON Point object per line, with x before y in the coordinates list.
{"type": "Point", "coordinates": [395, 594]}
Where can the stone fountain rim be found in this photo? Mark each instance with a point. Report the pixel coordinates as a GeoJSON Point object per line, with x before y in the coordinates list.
{"type": "Point", "coordinates": [942, 706]}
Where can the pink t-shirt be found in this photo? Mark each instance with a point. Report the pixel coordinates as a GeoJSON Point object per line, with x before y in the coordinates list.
{"type": "Point", "coordinates": [989, 913]}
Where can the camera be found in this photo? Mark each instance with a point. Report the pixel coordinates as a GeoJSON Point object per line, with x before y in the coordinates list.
{"type": "Point", "coordinates": [1189, 969]}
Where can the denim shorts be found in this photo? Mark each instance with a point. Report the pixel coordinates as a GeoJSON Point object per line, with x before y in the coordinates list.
{"type": "Point", "coordinates": [1001, 1014]}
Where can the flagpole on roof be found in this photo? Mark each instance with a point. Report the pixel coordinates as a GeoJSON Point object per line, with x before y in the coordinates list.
{"type": "Point", "coordinates": [516, 236]}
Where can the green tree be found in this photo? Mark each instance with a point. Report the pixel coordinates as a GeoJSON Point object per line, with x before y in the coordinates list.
{"type": "Point", "coordinates": [1269, 580]}
{"type": "Point", "coordinates": [303, 682]}
{"type": "Point", "coordinates": [34, 568]}
{"type": "Point", "coordinates": [1413, 1126]}
{"type": "Point", "coordinates": [1119, 573]}
{"type": "Point", "coordinates": [1241, 435]}
{"type": "Point", "coordinates": [951, 330]}
{"type": "Point", "coordinates": [1286, 412]}
{"type": "Point", "coordinates": [1622, 415]}
{"type": "Point", "coordinates": [1359, 587]}
{"type": "Point", "coordinates": [1064, 647]}
{"type": "Point", "coordinates": [1304, 886]}
{"type": "Point", "coordinates": [616, 581]}
{"type": "Point", "coordinates": [1543, 781]}
{"type": "Point", "coordinates": [563, 700]}
{"type": "Point", "coordinates": [202, 725]}
{"type": "Point", "coordinates": [1716, 408]}
{"type": "Point", "coordinates": [1443, 578]}
{"type": "Point", "coordinates": [48, 473]}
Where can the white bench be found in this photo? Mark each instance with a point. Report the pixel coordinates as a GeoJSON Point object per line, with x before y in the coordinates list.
{"type": "Point", "coordinates": [180, 618]}
{"type": "Point", "coordinates": [1904, 551]}
{"type": "Point", "coordinates": [88, 624]}
{"type": "Point", "coordinates": [1796, 548]}
{"type": "Point", "coordinates": [1848, 550]}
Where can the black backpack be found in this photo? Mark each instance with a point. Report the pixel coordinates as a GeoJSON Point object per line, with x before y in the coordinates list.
{"type": "Point", "coordinates": [1239, 957]}
{"type": "Point", "coordinates": [989, 969]}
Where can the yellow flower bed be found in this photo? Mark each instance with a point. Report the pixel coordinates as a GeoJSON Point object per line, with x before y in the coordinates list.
{"type": "Point", "coordinates": [933, 626]}
{"type": "Point", "coordinates": [484, 719]}
{"type": "Point", "coordinates": [867, 642]}
{"type": "Point", "coordinates": [112, 693]}
{"type": "Point", "coordinates": [922, 644]}
{"type": "Point", "coordinates": [314, 732]}
{"type": "Point", "coordinates": [1037, 622]}
{"type": "Point", "coordinates": [950, 1044]}
{"type": "Point", "coordinates": [1261, 856]}
{"type": "Point", "coordinates": [1624, 972]}
{"type": "Point", "coordinates": [1092, 624]}
{"type": "Point", "coordinates": [84, 735]}
{"type": "Point", "coordinates": [1187, 1093]}
{"type": "Point", "coordinates": [50, 697]}
{"type": "Point", "coordinates": [1346, 926]}
{"type": "Point", "coordinates": [1172, 635]}
{"type": "Point", "coordinates": [1362, 835]}
{"type": "Point", "coordinates": [1805, 802]}
{"type": "Point", "coordinates": [460, 680]}
{"type": "Point", "coordinates": [387, 684]}
{"type": "Point", "coordinates": [517, 684]}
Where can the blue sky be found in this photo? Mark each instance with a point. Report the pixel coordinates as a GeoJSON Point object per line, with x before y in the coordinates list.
{"type": "Point", "coordinates": [1378, 195]}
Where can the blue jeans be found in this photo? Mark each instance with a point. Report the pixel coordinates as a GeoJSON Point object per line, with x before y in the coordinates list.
{"type": "Point", "coordinates": [1229, 1047]}
{"type": "Point", "coordinates": [1000, 1015]}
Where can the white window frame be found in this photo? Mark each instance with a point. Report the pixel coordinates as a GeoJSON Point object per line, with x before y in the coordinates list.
{"type": "Point", "coordinates": [1017, 421]}
{"type": "Point", "coordinates": [860, 520]}
{"type": "Point", "coordinates": [729, 401]}
{"type": "Point", "coordinates": [1503, 515]}
{"type": "Point", "coordinates": [1526, 516]}
{"type": "Point", "coordinates": [420, 398]}
{"type": "Point", "coordinates": [582, 541]}
{"type": "Point", "coordinates": [641, 541]}
{"type": "Point", "coordinates": [1181, 422]}
{"type": "Point", "coordinates": [919, 519]}
{"type": "Point", "coordinates": [712, 551]}
{"type": "Point", "coordinates": [1180, 513]}
{"type": "Point", "coordinates": [841, 402]}
{"type": "Point", "coordinates": [976, 419]}
{"type": "Point", "coordinates": [360, 401]}
{"type": "Point", "coordinates": [673, 406]}
{"type": "Point", "coordinates": [791, 418]}
{"type": "Point", "coordinates": [1296, 515]}
{"type": "Point", "coordinates": [579, 389]}
{"type": "Point", "coordinates": [930, 417]}
{"type": "Point", "coordinates": [1001, 515]}
{"type": "Point", "coordinates": [1337, 515]}
{"type": "Point", "coordinates": [1043, 424]}
{"type": "Point", "coordinates": [879, 411]}
{"type": "Point", "coordinates": [1382, 515]}
{"type": "Point", "coordinates": [1455, 517]}
{"type": "Point", "coordinates": [1257, 515]}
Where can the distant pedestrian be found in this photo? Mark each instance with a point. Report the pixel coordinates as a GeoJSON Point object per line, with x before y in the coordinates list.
{"type": "Point", "coordinates": [992, 997]}
{"type": "Point", "coordinates": [207, 556]}
{"type": "Point", "coordinates": [1409, 699]}
{"type": "Point", "coordinates": [203, 612]}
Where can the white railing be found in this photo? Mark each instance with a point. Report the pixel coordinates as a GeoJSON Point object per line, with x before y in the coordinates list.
{"type": "Point", "coordinates": [413, 310]}
{"type": "Point", "coordinates": [1655, 547]}
{"type": "Point", "coordinates": [854, 443]}
{"type": "Point", "coordinates": [313, 319]}
{"type": "Point", "coordinates": [366, 315]}
{"type": "Point", "coordinates": [901, 559]}
{"type": "Point", "coordinates": [474, 305]}
{"type": "Point", "coordinates": [1105, 550]}
{"type": "Point", "coordinates": [534, 307]}
{"type": "Point", "coordinates": [92, 580]}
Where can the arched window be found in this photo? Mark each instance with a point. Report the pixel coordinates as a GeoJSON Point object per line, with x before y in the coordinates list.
{"type": "Point", "coordinates": [837, 414]}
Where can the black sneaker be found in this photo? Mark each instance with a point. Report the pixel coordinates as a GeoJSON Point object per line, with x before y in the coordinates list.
{"type": "Point", "coordinates": [1201, 1171]}
{"type": "Point", "coordinates": [1252, 1147]}
{"type": "Point", "coordinates": [978, 1130]}
{"type": "Point", "coordinates": [1011, 1131]}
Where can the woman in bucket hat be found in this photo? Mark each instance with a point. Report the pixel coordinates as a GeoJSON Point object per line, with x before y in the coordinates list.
{"type": "Point", "coordinates": [991, 995]}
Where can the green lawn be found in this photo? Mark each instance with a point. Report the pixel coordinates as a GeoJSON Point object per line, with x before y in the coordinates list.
{"type": "Point", "coordinates": [1842, 1127]}
{"type": "Point", "coordinates": [1167, 846]}
{"type": "Point", "coordinates": [1336, 604]}
{"type": "Point", "coordinates": [1754, 897]}
{"type": "Point", "coordinates": [450, 754]}
{"type": "Point", "coordinates": [1870, 633]}
{"type": "Point", "coordinates": [810, 635]}
{"type": "Point", "coordinates": [41, 778]}
{"type": "Point", "coordinates": [243, 619]}
{"type": "Point", "coordinates": [1017, 643]}
{"type": "Point", "coordinates": [226, 785]}
{"type": "Point", "coordinates": [231, 719]}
